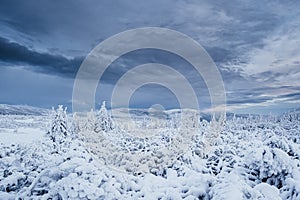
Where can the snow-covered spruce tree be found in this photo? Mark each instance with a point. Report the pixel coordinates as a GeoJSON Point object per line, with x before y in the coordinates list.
{"type": "Point", "coordinates": [175, 121]}
{"type": "Point", "coordinates": [212, 134]}
{"type": "Point", "coordinates": [193, 120]}
{"type": "Point", "coordinates": [59, 130]}
{"type": "Point", "coordinates": [75, 126]}
{"type": "Point", "coordinates": [103, 120]}
{"type": "Point", "coordinates": [90, 121]}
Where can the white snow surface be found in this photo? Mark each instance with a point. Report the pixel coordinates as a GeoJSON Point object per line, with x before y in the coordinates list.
{"type": "Point", "coordinates": [252, 158]}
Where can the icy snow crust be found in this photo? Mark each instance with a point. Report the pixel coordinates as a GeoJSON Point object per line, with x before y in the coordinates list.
{"type": "Point", "coordinates": [253, 158]}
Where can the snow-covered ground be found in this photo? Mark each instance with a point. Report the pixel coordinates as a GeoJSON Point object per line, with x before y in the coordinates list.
{"type": "Point", "coordinates": [22, 129]}
{"type": "Point", "coordinates": [252, 158]}
{"type": "Point", "coordinates": [21, 135]}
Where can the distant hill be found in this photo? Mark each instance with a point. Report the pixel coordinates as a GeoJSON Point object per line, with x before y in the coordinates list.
{"type": "Point", "coordinates": [6, 109]}
{"type": "Point", "coordinates": [141, 113]}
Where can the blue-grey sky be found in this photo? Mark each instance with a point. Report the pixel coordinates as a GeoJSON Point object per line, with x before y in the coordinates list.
{"type": "Point", "coordinates": [254, 43]}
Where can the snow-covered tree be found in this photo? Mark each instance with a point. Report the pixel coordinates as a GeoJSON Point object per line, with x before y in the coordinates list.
{"type": "Point", "coordinates": [75, 126]}
{"type": "Point", "coordinates": [59, 129]}
{"type": "Point", "coordinates": [175, 121]}
{"type": "Point", "coordinates": [103, 120]}
{"type": "Point", "coordinates": [90, 121]}
{"type": "Point", "coordinates": [195, 118]}
{"type": "Point", "coordinates": [214, 131]}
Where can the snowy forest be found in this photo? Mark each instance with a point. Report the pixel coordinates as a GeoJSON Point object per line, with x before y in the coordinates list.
{"type": "Point", "coordinates": [90, 157]}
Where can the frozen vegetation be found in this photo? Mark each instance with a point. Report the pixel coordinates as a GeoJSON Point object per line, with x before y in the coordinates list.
{"type": "Point", "coordinates": [60, 156]}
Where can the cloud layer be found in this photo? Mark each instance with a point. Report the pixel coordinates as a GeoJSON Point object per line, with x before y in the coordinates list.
{"type": "Point", "coordinates": [255, 44]}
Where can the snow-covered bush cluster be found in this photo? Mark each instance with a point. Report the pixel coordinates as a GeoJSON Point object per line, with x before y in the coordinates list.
{"type": "Point", "coordinates": [252, 158]}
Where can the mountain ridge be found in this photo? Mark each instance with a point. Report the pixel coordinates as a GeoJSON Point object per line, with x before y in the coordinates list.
{"type": "Point", "coordinates": [7, 109]}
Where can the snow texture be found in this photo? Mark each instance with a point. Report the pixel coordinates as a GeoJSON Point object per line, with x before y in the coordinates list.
{"type": "Point", "coordinates": [252, 158]}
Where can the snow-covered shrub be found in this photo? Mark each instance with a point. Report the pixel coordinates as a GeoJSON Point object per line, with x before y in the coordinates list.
{"type": "Point", "coordinates": [222, 158]}
{"type": "Point", "coordinates": [269, 165]}
{"type": "Point", "coordinates": [275, 141]}
{"type": "Point", "coordinates": [231, 186]}
{"type": "Point", "coordinates": [291, 189]}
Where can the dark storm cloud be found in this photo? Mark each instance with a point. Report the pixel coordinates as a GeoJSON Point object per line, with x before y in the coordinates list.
{"type": "Point", "coordinates": [291, 96]}
{"type": "Point", "coordinates": [243, 96]}
{"type": "Point", "coordinates": [54, 37]}
{"type": "Point", "coordinates": [249, 100]}
{"type": "Point", "coordinates": [16, 54]}
{"type": "Point", "coordinates": [79, 25]}
{"type": "Point", "coordinates": [76, 27]}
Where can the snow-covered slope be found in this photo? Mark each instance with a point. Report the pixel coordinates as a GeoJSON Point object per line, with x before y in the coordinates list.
{"type": "Point", "coordinates": [6, 109]}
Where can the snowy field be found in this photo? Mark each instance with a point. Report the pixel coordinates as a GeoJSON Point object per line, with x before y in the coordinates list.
{"type": "Point", "coordinates": [252, 158]}
{"type": "Point", "coordinates": [21, 129]}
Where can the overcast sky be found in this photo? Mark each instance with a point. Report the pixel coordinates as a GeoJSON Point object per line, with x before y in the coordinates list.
{"type": "Point", "coordinates": [255, 45]}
